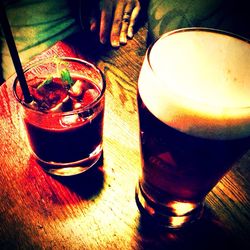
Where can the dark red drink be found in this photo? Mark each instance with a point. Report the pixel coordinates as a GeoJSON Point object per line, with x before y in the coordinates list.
{"type": "Point", "coordinates": [68, 138]}
{"type": "Point", "coordinates": [64, 122]}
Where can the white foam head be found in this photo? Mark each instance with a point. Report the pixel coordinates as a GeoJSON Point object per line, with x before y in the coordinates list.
{"type": "Point", "coordinates": [198, 81]}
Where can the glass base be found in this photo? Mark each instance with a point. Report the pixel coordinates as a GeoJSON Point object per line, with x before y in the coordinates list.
{"type": "Point", "coordinates": [71, 168]}
{"type": "Point", "coordinates": [172, 214]}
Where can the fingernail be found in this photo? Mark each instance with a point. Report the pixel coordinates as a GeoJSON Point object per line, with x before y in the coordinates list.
{"type": "Point", "coordinates": [103, 40]}
{"type": "Point", "coordinates": [130, 32]}
{"type": "Point", "coordinates": [93, 27]}
{"type": "Point", "coordinates": [115, 43]}
{"type": "Point", "coordinates": [123, 40]}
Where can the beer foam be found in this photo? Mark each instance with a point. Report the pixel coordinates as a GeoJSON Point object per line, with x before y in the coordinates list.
{"type": "Point", "coordinates": [198, 81]}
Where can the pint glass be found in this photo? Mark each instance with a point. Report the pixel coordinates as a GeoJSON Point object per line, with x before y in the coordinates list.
{"type": "Point", "coordinates": [194, 116]}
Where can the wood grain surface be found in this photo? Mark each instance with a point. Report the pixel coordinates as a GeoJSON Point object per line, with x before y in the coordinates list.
{"type": "Point", "coordinates": [97, 210]}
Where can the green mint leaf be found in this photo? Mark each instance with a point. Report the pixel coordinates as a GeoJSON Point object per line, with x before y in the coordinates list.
{"type": "Point", "coordinates": [48, 80]}
{"type": "Point", "coordinates": [65, 75]}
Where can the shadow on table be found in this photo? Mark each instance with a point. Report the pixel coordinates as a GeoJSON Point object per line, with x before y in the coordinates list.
{"type": "Point", "coordinates": [85, 186]}
{"type": "Point", "coordinates": [88, 184]}
{"type": "Point", "coordinates": [207, 233]}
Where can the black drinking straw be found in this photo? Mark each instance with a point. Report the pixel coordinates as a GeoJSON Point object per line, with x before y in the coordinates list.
{"type": "Point", "coordinates": [14, 54]}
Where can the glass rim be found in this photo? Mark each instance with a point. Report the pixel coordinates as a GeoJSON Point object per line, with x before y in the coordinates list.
{"type": "Point", "coordinates": [202, 29]}
{"type": "Point", "coordinates": [65, 58]}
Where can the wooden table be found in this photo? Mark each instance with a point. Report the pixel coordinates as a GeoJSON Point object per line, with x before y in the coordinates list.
{"type": "Point", "coordinates": [97, 210]}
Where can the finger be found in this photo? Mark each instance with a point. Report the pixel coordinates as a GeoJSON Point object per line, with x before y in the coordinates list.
{"type": "Point", "coordinates": [133, 18]}
{"type": "Point", "coordinates": [117, 23]}
{"type": "Point", "coordinates": [105, 22]}
{"type": "Point", "coordinates": [88, 14]}
{"type": "Point", "coordinates": [125, 22]}
{"type": "Point", "coordinates": [93, 21]}
{"type": "Point", "coordinates": [93, 25]}
{"type": "Point", "coordinates": [124, 30]}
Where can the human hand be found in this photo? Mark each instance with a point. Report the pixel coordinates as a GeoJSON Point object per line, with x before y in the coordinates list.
{"type": "Point", "coordinates": [115, 21]}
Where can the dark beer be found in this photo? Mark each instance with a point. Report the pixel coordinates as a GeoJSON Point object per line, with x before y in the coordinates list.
{"type": "Point", "coordinates": [194, 119]}
{"type": "Point", "coordinates": [180, 166]}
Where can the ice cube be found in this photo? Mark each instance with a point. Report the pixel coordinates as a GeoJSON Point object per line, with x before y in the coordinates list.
{"type": "Point", "coordinates": [77, 105]}
{"type": "Point", "coordinates": [77, 89]}
{"type": "Point", "coordinates": [69, 120]}
{"type": "Point", "coordinates": [89, 96]}
{"type": "Point", "coordinates": [65, 105]}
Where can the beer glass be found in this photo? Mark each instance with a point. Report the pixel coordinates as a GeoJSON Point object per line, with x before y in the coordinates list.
{"type": "Point", "coordinates": [194, 117]}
